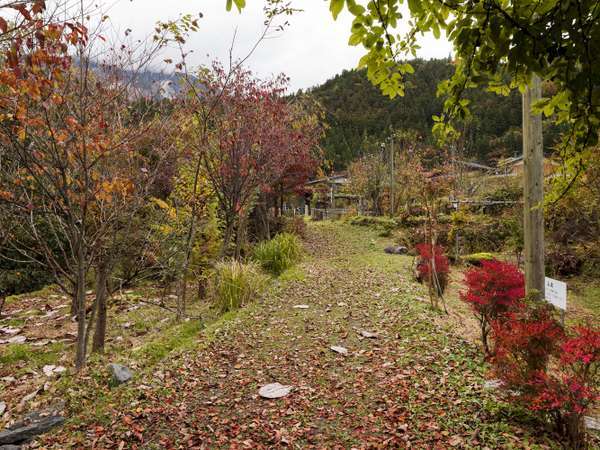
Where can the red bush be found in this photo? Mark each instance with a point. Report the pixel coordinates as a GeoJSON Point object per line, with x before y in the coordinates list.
{"type": "Point", "coordinates": [525, 338]}
{"type": "Point", "coordinates": [573, 389]}
{"type": "Point", "coordinates": [583, 348]}
{"type": "Point", "coordinates": [547, 370]}
{"type": "Point", "coordinates": [491, 290]}
{"type": "Point", "coordinates": [439, 260]}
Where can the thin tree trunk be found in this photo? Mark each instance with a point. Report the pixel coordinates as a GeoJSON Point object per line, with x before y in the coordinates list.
{"type": "Point", "coordinates": [262, 218]}
{"type": "Point", "coordinates": [227, 236]}
{"type": "Point", "coordinates": [101, 307]}
{"type": "Point", "coordinates": [74, 303]}
{"type": "Point", "coordinates": [239, 237]}
{"type": "Point", "coordinates": [182, 288]}
{"type": "Point", "coordinates": [80, 301]}
{"type": "Point", "coordinates": [181, 297]}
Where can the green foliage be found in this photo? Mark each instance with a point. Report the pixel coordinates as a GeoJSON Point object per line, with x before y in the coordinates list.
{"type": "Point", "coordinates": [573, 227]}
{"type": "Point", "coordinates": [360, 117]}
{"type": "Point", "coordinates": [278, 254]}
{"type": "Point", "coordinates": [171, 225]}
{"type": "Point", "coordinates": [234, 284]}
{"type": "Point", "coordinates": [19, 273]}
{"type": "Point", "coordinates": [475, 259]}
{"type": "Point", "coordinates": [478, 232]}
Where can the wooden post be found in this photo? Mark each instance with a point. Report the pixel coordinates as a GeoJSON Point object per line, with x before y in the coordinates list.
{"type": "Point", "coordinates": [533, 190]}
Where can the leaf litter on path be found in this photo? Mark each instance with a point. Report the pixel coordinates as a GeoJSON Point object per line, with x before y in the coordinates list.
{"type": "Point", "coordinates": [422, 389]}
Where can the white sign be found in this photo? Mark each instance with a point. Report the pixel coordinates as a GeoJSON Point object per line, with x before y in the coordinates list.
{"type": "Point", "coordinates": [556, 293]}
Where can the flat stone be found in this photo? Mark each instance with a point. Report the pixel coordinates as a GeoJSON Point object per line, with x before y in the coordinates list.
{"type": "Point", "coordinates": [10, 447]}
{"type": "Point", "coordinates": [592, 423]}
{"type": "Point", "coordinates": [10, 330]}
{"type": "Point", "coordinates": [340, 350]}
{"type": "Point", "coordinates": [2, 408]}
{"type": "Point", "coordinates": [19, 339]}
{"type": "Point", "coordinates": [24, 432]}
{"type": "Point", "coordinates": [120, 373]}
{"type": "Point", "coordinates": [274, 390]}
{"type": "Point", "coordinates": [396, 250]}
{"type": "Point", "coordinates": [51, 370]}
{"type": "Point", "coordinates": [301, 306]}
{"type": "Point", "coordinates": [368, 334]}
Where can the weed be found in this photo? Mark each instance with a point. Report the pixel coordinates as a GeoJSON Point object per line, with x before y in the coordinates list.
{"type": "Point", "coordinates": [235, 284]}
{"type": "Point", "coordinates": [278, 254]}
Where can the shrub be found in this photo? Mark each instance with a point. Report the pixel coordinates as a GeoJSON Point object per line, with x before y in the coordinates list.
{"type": "Point", "coordinates": [525, 338]}
{"type": "Point", "coordinates": [278, 254]}
{"type": "Point", "coordinates": [547, 370]}
{"type": "Point", "coordinates": [234, 285]}
{"type": "Point", "coordinates": [438, 278]}
{"type": "Point", "coordinates": [385, 223]}
{"type": "Point", "coordinates": [491, 290]}
{"type": "Point", "coordinates": [476, 259]}
{"type": "Point", "coordinates": [478, 232]}
{"type": "Point", "coordinates": [295, 225]}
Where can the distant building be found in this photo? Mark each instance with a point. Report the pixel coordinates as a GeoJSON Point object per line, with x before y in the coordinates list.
{"type": "Point", "coordinates": [328, 197]}
{"type": "Point", "coordinates": [515, 166]}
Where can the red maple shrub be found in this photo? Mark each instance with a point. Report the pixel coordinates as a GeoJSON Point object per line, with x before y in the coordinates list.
{"type": "Point", "coordinates": [547, 370]}
{"type": "Point", "coordinates": [491, 290]}
{"type": "Point", "coordinates": [433, 266]}
{"type": "Point", "coordinates": [525, 338]}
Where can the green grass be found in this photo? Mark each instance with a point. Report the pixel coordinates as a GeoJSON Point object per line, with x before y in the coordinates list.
{"type": "Point", "coordinates": [586, 294]}
{"type": "Point", "coordinates": [34, 357]}
{"type": "Point", "coordinates": [279, 254]}
{"type": "Point", "coordinates": [179, 337]}
{"type": "Point", "coordinates": [15, 353]}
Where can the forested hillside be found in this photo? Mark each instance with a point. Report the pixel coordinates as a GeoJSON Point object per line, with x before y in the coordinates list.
{"type": "Point", "coordinates": [360, 117]}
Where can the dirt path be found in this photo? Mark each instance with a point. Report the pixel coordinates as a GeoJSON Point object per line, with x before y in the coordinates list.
{"type": "Point", "coordinates": [416, 385]}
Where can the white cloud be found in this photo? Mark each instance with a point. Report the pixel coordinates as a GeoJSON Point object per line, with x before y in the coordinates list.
{"type": "Point", "coordinates": [312, 48]}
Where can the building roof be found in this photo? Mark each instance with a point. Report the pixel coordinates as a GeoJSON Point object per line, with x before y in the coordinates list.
{"type": "Point", "coordinates": [333, 179]}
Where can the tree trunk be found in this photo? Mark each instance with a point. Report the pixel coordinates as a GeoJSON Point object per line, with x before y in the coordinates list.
{"type": "Point", "coordinates": [74, 303]}
{"type": "Point", "coordinates": [182, 288]}
{"type": "Point", "coordinates": [79, 300]}
{"type": "Point", "coordinates": [240, 236]}
{"type": "Point", "coordinates": [262, 219]}
{"type": "Point", "coordinates": [227, 236]}
{"type": "Point", "coordinates": [101, 307]}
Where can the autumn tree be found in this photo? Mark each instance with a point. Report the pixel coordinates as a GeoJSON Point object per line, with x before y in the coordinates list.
{"type": "Point", "coordinates": [297, 163]}
{"type": "Point", "coordinates": [70, 165]}
{"type": "Point", "coordinates": [368, 176]}
{"type": "Point", "coordinates": [254, 141]}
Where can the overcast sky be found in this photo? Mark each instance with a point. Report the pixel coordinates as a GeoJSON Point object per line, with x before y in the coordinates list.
{"type": "Point", "coordinates": [312, 48]}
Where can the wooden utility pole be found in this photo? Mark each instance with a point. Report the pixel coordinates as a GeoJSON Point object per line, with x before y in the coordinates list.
{"type": "Point", "coordinates": [533, 190]}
